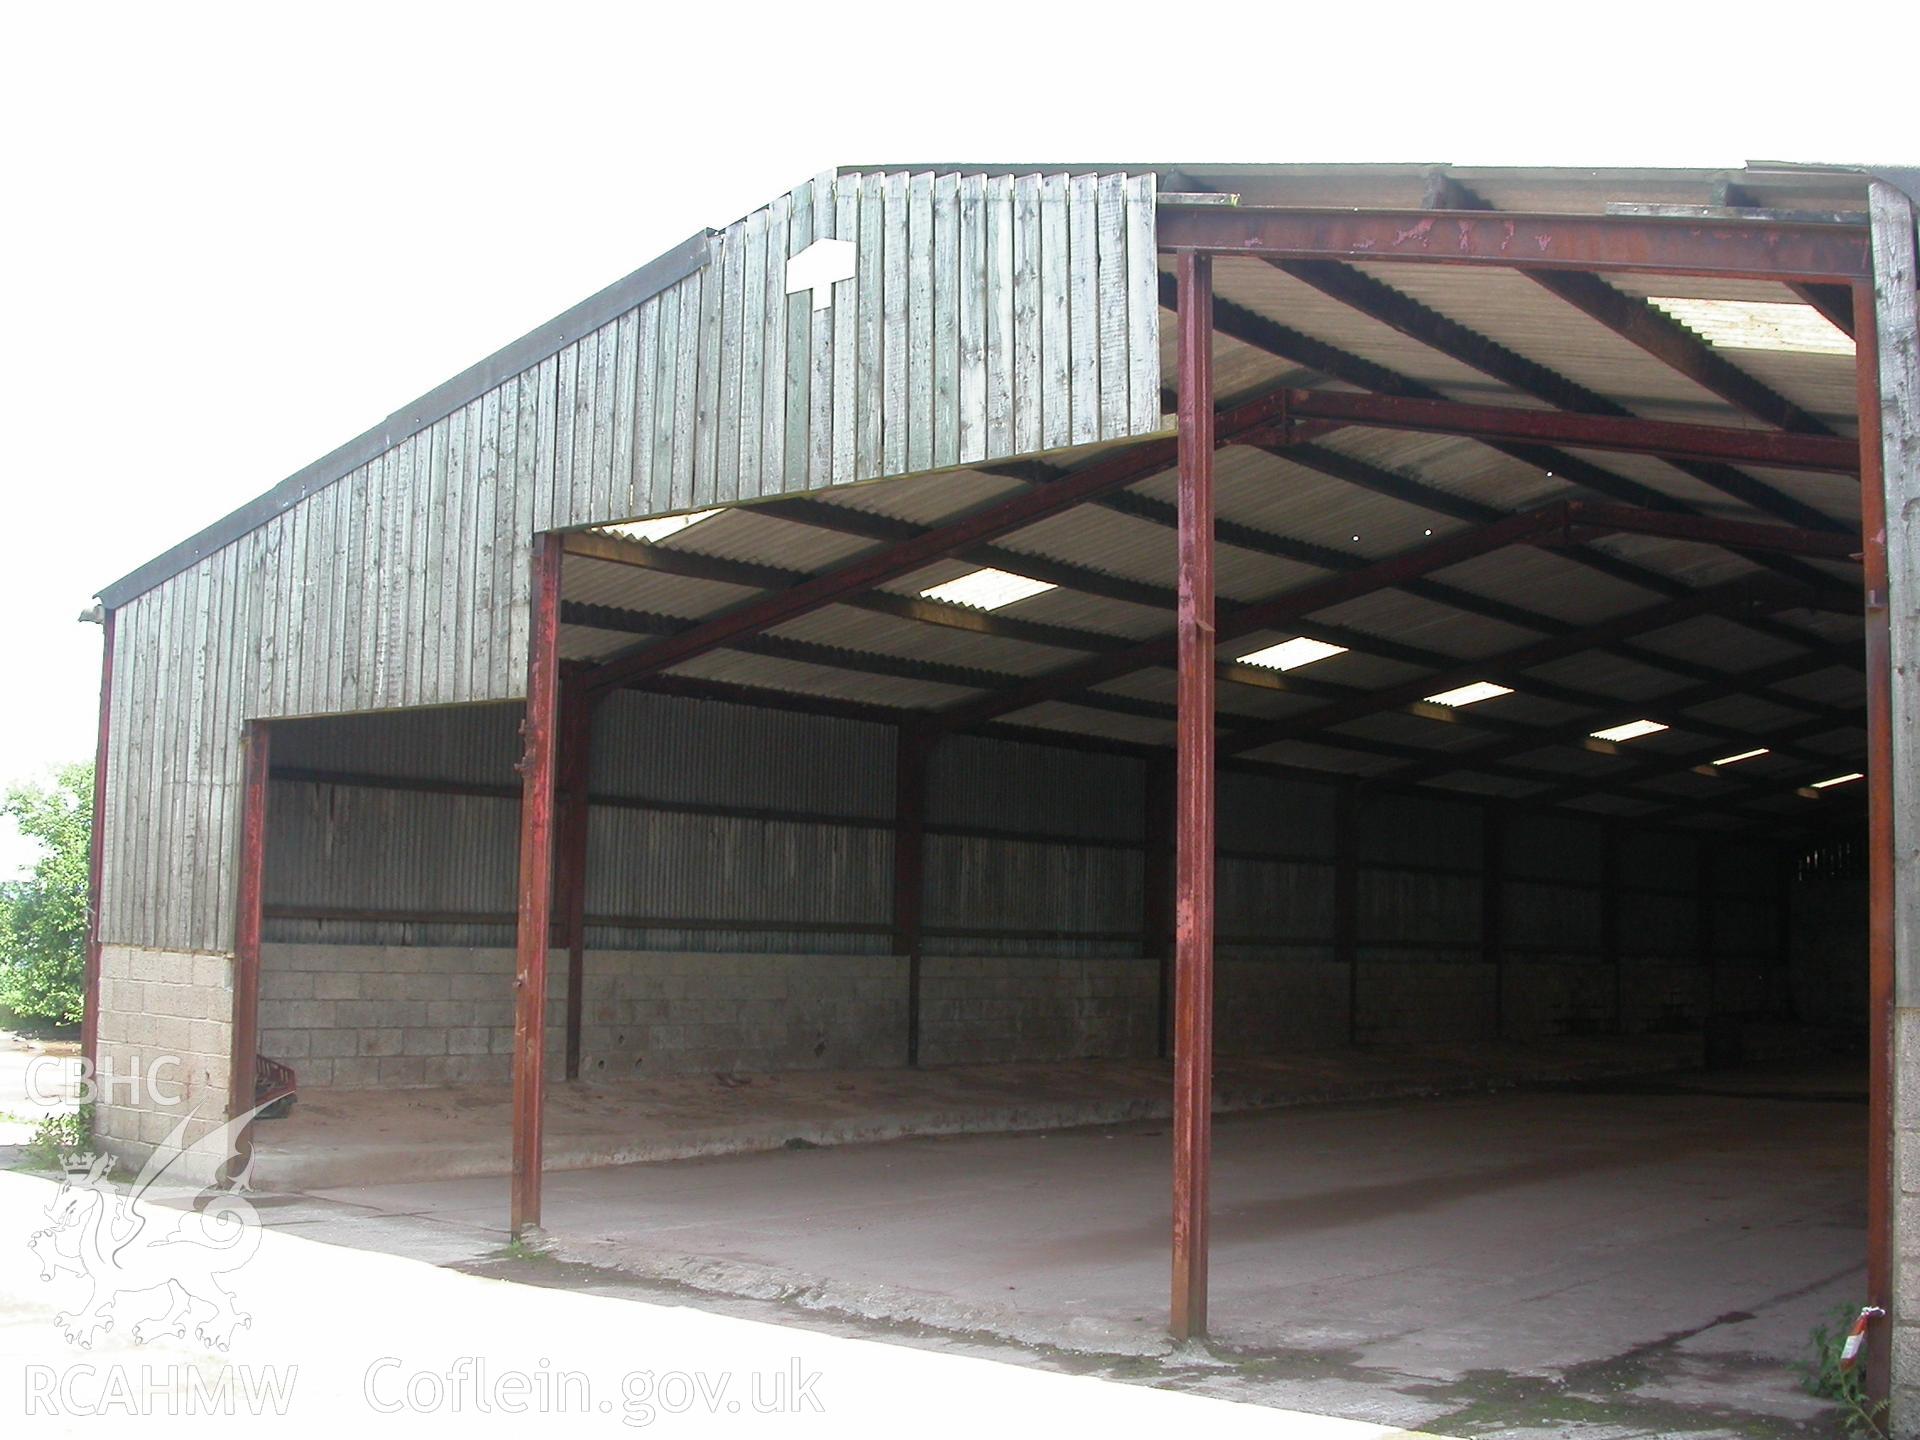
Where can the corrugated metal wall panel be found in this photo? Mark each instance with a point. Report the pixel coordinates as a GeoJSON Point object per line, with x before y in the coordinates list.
{"type": "Point", "coordinates": [976, 883]}
{"type": "Point", "coordinates": [1271, 815]}
{"type": "Point", "coordinates": [663, 747]}
{"type": "Point", "coordinates": [1033, 788]}
{"type": "Point", "coordinates": [1415, 830]}
{"type": "Point", "coordinates": [1417, 908]}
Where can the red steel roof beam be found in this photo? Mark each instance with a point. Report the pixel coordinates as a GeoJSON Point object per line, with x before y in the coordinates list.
{"type": "Point", "coordinates": [1788, 252]}
{"type": "Point", "coordinates": [1837, 456]}
{"type": "Point", "coordinates": [1256, 416]}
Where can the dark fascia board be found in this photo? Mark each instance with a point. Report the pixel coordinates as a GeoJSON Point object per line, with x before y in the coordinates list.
{"type": "Point", "coordinates": [529, 350]}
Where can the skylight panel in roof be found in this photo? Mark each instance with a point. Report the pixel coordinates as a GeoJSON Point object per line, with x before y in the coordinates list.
{"type": "Point", "coordinates": [987, 589]}
{"type": "Point", "coordinates": [660, 528]}
{"type": "Point", "coordinates": [1632, 730]}
{"type": "Point", "coordinates": [1757, 325]}
{"type": "Point", "coordinates": [1292, 654]}
{"type": "Point", "coordinates": [1470, 694]}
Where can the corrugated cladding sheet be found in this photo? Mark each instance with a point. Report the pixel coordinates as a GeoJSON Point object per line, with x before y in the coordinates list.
{"type": "Point", "coordinates": [986, 318]}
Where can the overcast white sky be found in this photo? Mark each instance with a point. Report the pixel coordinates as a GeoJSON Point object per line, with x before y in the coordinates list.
{"type": "Point", "coordinates": [239, 236]}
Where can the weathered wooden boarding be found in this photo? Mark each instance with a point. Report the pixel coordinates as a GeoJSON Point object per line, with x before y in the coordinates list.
{"type": "Point", "coordinates": [986, 317]}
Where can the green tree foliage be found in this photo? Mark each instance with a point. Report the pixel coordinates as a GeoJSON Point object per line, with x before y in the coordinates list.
{"type": "Point", "coordinates": [43, 918]}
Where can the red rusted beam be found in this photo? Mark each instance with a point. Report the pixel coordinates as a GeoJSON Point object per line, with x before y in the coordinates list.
{"type": "Point", "coordinates": [1880, 843]}
{"type": "Point", "coordinates": [1194, 817]}
{"type": "Point", "coordinates": [1001, 518]}
{"type": "Point", "coordinates": [1291, 605]}
{"type": "Point", "coordinates": [570, 879]}
{"type": "Point", "coordinates": [90, 1004]}
{"type": "Point", "coordinates": [1606, 518]}
{"type": "Point", "coordinates": [1561, 521]}
{"type": "Point", "coordinates": [249, 891]}
{"type": "Point", "coordinates": [1761, 250]}
{"type": "Point", "coordinates": [1727, 599]}
{"type": "Point", "coordinates": [535, 912]}
{"type": "Point", "coordinates": [1831, 455]}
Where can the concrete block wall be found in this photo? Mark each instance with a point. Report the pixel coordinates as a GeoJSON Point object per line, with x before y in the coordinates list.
{"type": "Point", "coordinates": [174, 1007]}
{"type": "Point", "coordinates": [1549, 995]}
{"type": "Point", "coordinates": [1906, 1222]}
{"type": "Point", "coordinates": [652, 1012]}
{"type": "Point", "coordinates": [1665, 994]}
{"type": "Point", "coordinates": [1267, 1000]}
{"type": "Point", "coordinates": [1411, 996]}
{"type": "Point", "coordinates": [357, 1016]}
{"type": "Point", "coordinates": [986, 1009]}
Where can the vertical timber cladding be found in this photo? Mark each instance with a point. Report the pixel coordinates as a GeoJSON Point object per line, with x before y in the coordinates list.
{"type": "Point", "coordinates": [982, 317]}
{"type": "Point", "coordinates": [985, 317]}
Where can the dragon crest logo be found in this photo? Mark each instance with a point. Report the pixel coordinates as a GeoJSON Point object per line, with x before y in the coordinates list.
{"type": "Point", "coordinates": [142, 1267]}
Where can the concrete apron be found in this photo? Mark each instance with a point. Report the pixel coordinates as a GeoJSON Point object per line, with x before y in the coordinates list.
{"type": "Point", "coordinates": [339, 1138]}
{"type": "Point", "coordinates": [387, 1345]}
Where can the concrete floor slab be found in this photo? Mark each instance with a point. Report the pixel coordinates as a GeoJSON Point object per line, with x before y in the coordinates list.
{"type": "Point", "coordinates": [341, 1137]}
{"type": "Point", "coordinates": [344, 1341]}
{"type": "Point", "coordinates": [1646, 1255]}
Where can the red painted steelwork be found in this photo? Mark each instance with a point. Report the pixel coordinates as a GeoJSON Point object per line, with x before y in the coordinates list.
{"type": "Point", "coordinates": [1037, 503]}
{"type": "Point", "coordinates": [1602, 517]}
{"type": "Point", "coordinates": [1194, 815]}
{"type": "Point", "coordinates": [1316, 595]}
{"type": "Point", "coordinates": [1880, 843]}
{"type": "Point", "coordinates": [536, 884]}
{"type": "Point", "coordinates": [1832, 455]}
{"type": "Point", "coordinates": [1554, 522]}
{"type": "Point", "coordinates": [256, 762]}
{"type": "Point", "coordinates": [1761, 250]}
{"type": "Point", "coordinates": [1727, 599]}
{"type": "Point", "coordinates": [90, 1006]}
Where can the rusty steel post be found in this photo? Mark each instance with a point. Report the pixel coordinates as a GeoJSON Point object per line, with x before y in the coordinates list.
{"type": "Point", "coordinates": [535, 914]}
{"type": "Point", "coordinates": [1880, 841]}
{"type": "Point", "coordinates": [1194, 809]}
{"type": "Point", "coordinates": [570, 879]}
{"type": "Point", "coordinates": [913, 745]}
{"type": "Point", "coordinates": [90, 1006]}
{"type": "Point", "coordinates": [249, 897]}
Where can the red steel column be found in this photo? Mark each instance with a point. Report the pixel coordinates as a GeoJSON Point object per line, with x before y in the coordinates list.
{"type": "Point", "coordinates": [1194, 815]}
{"type": "Point", "coordinates": [570, 883]}
{"type": "Point", "coordinates": [250, 889]}
{"type": "Point", "coordinates": [90, 1007]}
{"type": "Point", "coordinates": [540, 729]}
{"type": "Point", "coordinates": [1880, 853]}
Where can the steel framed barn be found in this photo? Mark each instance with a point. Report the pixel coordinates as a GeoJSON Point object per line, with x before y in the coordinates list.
{"type": "Point", "coordinates": [1543, 589]}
